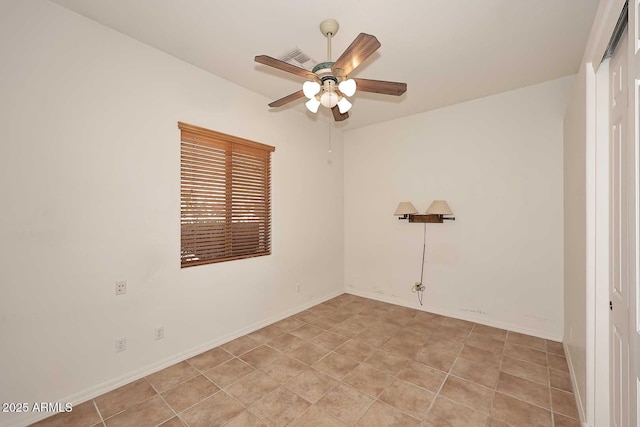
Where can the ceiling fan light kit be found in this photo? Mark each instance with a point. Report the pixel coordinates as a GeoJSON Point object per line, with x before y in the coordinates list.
{"type": "Point", "coordinates": [328, 83]}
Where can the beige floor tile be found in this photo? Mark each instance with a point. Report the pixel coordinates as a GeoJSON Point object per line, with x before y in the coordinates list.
{"type": "Point", "coordinates": [266, 334]}
{"type": "Point", "coordinates": [252, 387]}
{"type": "Point", "coordinates": [324, 322]}
{"type": "Point", "coordinates": [246, 419]}
{"type": "Point", "coordinates": [564, 403]}
{"type": "Point", "coordinates": [335, 365]}
{"type": "Point", "coordinates": [405, 343]}
{"type": "Point", "coordinates": [458, 323]}
{"type": "Point", "coordinates": [528, 391]}
{"type": "Point", "coordinates": [383, 415]}
{"type": "Point", "coordinates": [306, 332]}
{"type": "Point", "coordinates": [346, 329]}
{"type": "Point", "coordinates": [261, 356]}
{"type": "Point", "coordinates": [315, 417]}
{"type": "Point", "coordinates": [480, 355]}
{"type": "Point", "coordinates": [289, 324]}
{"type": "Point", "coordinates": [555, 348]}
{"type": "Point", "coordinates": [212, 412]}
{"type": "Point", "coordinates": [340, 316]}
{"type": "Point", "coordinates": [527, 340]}
{"type": "Point", "coordinates": [562, 421]}
{"type": "Point", "coordinates": [368, 380]}
{"type": "Point", "coordinates": [499, 334]}
{"type": "Point", "coordinates": [371, 337]}
{"type": "Point", "coordinates": [171, 376]}
{"type": "Point", "coordinates": [467, 393]}
{"type": "Point", "coordinates": [424, 328]}
{"type": "Point", "coordinates": [82, 415]}
{"type": "Point", "coordinates": [386, 362]}
{"type": "Point", "coordinates": [189, 393]}
{"type": "Point", "coordinates": [448, 413]}
{"type": "Point", "coordinates": [431, 318]}
{"type": "Point", "coordinates": [495, 423]}
{"type": "Point", "coordinates": [451, 333]}
{"type": "Point", "coordinates": [173, 422]}
{"type": "Point", "coordinates": [435, 359]}
{"type": "Point", "coordinates": [329, 340]}
{"type": "Point", "coordinates": [443, 345]}
{"type": "Point", "coordinates": [149, 413]}
{"type": "Point", "coordinates": [557, 362]}
{"type": "Point", "coordinates": [210, 359]}
{"type": "Point", "coordinates": [360, 321]}
{"type": "Point", "coordinates": [519, 413]}
{"type": "Point", "coordinates": [311, 384]}
{"type": "Point", "coordinates": [305, 316]}
{"type": "Point", "coordinates": [286, 343]}
{"type": "Point", "coordinates": [476, 372]}
{"type": "Point", "coordinates": [123, 397]}
{"type": "Point", "coordinates": [283, 368]}
{"type": "Point", "coordinates": [527, 354]}
{"type": "Point", "coordinates": [422, 376]}
{"type": "Point", "coordinates": [560, 380]}
{"type": "Point", "coordinates": [408, 398]}
{"type": "Point", "coordinates": [309, 353]}
{"type": "Point", "coordinates": [228, 372]}
{"type": "Point", "coordinates": [486, 343]}
{"type": "Point", "coordinates": [527, 370]}
{"type": "Point", "coordinates": [345, 403]}
{"type": "Point", "coordinates": [241, 345]}
{"type": "Point", "coordinates": [280, 407]}
{"type": "Point", "coordinates": [356, 350]}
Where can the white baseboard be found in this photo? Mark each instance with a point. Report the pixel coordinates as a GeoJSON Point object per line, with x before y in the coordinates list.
{"type": "Point", "coordinates": [455, 314]}
{"type": "Point", "coordinates": [113, 384]}
{"type": "Point", "coordinates": [574, 386]}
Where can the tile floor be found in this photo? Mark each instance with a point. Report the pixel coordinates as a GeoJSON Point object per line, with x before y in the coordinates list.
{"type": "Point", "coordinates": [351, 361]}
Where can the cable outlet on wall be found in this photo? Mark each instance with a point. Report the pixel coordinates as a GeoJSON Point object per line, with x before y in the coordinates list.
{"type": "Point", "coordinates": [159, 333]}
{"type": "Point", "coordinates": [417, 287]}
{"type": "Point", "coordinates": [121, 287]}
{"type": "Point", "coordinates": [121, 344]}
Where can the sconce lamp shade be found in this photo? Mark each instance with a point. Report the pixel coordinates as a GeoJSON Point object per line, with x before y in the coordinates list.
{"type": "Point", "coordinates": [406, 208]}
{"type": "Point", "coordinates": [439, 207]}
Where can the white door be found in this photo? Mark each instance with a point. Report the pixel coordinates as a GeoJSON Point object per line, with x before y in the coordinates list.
{"type": "Point", "coordinates": [633, 213]}
{"type": "Point", "coordinates": [619, 284]}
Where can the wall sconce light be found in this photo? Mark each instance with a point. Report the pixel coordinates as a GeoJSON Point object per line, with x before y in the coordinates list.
{"type": "Point", "coordinates": [438, 212]}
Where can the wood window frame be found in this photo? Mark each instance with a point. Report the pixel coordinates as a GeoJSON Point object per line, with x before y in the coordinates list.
{"type": "Point", "coordinates": [225, 197]}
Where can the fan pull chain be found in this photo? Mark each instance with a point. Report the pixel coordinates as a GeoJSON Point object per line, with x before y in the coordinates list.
{"type": "Point", "coordinates": [330, 135]}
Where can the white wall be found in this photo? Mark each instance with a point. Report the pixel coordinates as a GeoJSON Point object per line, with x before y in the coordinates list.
{"type": "Point", "coordinates": [498, 162]}
{"type": "Point", "coordinates": [575, 238]}
{"type": "Point", "coordinates": [89, 182]}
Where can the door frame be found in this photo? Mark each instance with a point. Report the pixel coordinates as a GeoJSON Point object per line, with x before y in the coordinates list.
{"type": "Point", "coordinates": [597, 408]}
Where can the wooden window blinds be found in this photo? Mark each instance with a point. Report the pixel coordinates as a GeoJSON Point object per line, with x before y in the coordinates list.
{"type": "Point", "coordinates": [225, 197]}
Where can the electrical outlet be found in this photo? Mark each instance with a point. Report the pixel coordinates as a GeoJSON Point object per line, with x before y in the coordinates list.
{"type": "Point", "coordinates": [159, 333]}
{"type": "Point", "coordinates": [121, 344]}
{"type": "Point", "coordinates": [121, 287]}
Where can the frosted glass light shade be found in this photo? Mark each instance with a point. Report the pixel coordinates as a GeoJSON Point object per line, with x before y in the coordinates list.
{"type": "Point", "coordinates": [406, 208]}
{"type": "Point", "coordinates": [310, 89]}
{"type": "Point", "coordinates": [439, 207]}
{"type": "Point", "coordinates": [329, 99]}
{"type": "Point", "coordinates": [348, 87]}
{"type": "Point", "coordinates": [344, 105]}
{"type": "Point", "coordinates": [312, 105]}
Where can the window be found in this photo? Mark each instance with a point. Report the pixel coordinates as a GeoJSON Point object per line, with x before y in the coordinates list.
{"type": "Point", "coordinates": [225, 197]}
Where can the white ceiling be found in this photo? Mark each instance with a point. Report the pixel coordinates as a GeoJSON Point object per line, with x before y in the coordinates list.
{"type": "Point", "coordinates": [446, 51]}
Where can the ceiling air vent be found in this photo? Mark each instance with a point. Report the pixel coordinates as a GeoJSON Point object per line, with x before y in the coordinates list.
{"type": "Point", "coordinates": [299, 58]}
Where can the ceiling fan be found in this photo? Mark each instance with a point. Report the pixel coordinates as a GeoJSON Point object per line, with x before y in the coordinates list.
{"type": "Point", "coordinates": [328, 84]}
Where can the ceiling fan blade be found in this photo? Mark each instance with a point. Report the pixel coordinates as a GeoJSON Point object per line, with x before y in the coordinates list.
{"type": "Point", "coordinates": [280, 102]}
{"type": "Point", "coordinates": [360, 49]}
{"type": "Point", "coordinates": [337, 115]}
{"type": "Point", "coordinates": [380, 86]}
{"type": "Point", "coordinates": [281, 65]}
